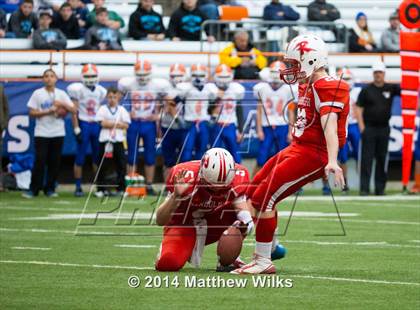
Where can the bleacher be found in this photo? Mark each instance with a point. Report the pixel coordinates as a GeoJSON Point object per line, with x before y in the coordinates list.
{"type": "Point", "coordinates": [15, 54]}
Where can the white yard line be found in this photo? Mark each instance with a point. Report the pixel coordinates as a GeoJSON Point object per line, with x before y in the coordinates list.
{"type": "Point", "coordinates": [29, 248]}
{"type": "Point", "coordinates": [354, 280]}
{"type": "Point", "coordinates": [141, 246]}
{"type": "Point", "coordinates": [362, 243]}
{"type": "Point", "coordinates": [74, 265]}
{"type": "Point", "coordinates": [60, 264]}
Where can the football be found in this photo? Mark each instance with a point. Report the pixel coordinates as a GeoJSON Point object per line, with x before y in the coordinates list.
{"type": "Point", "coordinates": [61, 112]}
{"type": "Point", "coordinates": [229, 246]}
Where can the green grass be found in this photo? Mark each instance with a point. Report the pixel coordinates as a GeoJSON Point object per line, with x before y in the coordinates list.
{"type": "Point", "coordinates": [376, 265]}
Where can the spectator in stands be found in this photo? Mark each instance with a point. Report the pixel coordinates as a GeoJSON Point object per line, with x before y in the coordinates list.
{"type": "Point", "coordinates": [81, 13]}
{"type": "Point", "coordinates": [246, 66]}
{"type": "Point", "coordinates": [114, 21]}
{"type": "Point", "coordinates": [361, 39]}
{"type": "Point", "coordinates": [100, 36]}
{"type": "Point", "coordinates": [44, 37]}
{"type": "Point", "coordinates": [9, 6]}
{"type": "Point", "coordinates": [321, 11]}
{"type": "Point", "coordinates": [210, 8]}
{"type": "Point", "coordinates": [3, 23]}
{"type": "Point", "coordinates": [374, 105]}
{"type": "Point", "coordinates": [390, 38]}
{"type": "Point", "coordinates": [185, 23]}
{"type": "Point", "coordinates": [146, 23]}
{"type": "Point", "coordinates": [24, 20]}
{"type": "Point", "coordinates": [48, 105]}
{"type": "Point", "coordinates": [67, 22]}
{"type": "Point", "coordinates": [277, 11]}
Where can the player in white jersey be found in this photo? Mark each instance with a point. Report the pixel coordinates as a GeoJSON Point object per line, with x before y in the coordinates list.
{"type": "Point", "coordinates": [226, 111]}
{"type": "Point", "coordinates": [353, 134]}
{"type": "Point", "coordinates": [197, 96]}
{"type": "Point", "coordinates": [88, 97]}
{"type": "Point", "coordinates": [142, 96]}
{"type": "Point", "coordinates": [275, 111]}
{"type": "Point", "coordinates": [172, 120]}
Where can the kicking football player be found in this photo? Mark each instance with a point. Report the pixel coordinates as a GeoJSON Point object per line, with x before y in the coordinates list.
{"type": "Point", "coordinates": [87, 97]}
{"type": "Point", "coordinates": [143, 94]}
{"type": "Point", "coordinates": [275, 99]}
{"type": "Point", "coordinates": [196, 96]}
{"type": "Point", "coordinates": [353, 133]}
{"type": "Point", "coordinates": [226, 111]}
{"type": "Point", "coordinates": [172, 119]}
{"type": "Point", "coordinates": [319, 131]}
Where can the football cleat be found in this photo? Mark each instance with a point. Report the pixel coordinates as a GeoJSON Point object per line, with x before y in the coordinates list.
{"type": "Point", "coordinates": [238, 263]}
{"type": "Point", "coordinates": [78, 193]}
{"type": "Point", "coordinates": [259, 265]}
{"type": "Point", "coordinates": [279, 252]}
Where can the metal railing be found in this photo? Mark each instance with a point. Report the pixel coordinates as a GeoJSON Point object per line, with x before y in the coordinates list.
{"type": "Point", "coordinates": [272, 36]}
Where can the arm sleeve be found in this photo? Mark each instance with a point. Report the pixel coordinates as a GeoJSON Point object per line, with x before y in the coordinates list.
{"type": "Point", "coordinates": [261, 61]}
{"type": "Point", "coordinates": [313, 13]}
{"type": "Point", "coordinates": [135, 29]}
{"type": "Point", "coordinates": [268, 13]}
{"type": "Point", "coordinates": [39, 41]}
{"type": "Point", "coordinates": [354, 45]}
{"type": "Point", "coordinates": [173, 26]}
{"type": "Point", "coordinates": [331, 97]}
{"type": "Point", "coordinates": [333, 12]}
{"type": "Point", "coordinates": [100, 115]}
{"type": "Point", "coordinates": [118, 18]}
{"type": "Point", "coordinates": [32, 103]}
{"type": "Point", "coordinates": [227, 59]}
{"type": "Point", "coordinates": [290, 13]}
{"type": "Point", "coordinates": [126, 116]}
{"type": "Point", "coordinates": [89, 42]}
{"type": "Point", "coordinates": [61, 42]}
{"type": "Point", "coordinates": [361, 99]}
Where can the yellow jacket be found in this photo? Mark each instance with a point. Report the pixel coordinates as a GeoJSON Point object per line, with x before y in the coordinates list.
{"type": "Point", "coordinates": [229, 57]}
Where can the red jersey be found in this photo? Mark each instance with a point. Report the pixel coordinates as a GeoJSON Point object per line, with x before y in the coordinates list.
{"type": "Point", "coordinates": [324, 96]}
{"type": "Point", "coordinates": [199, 199]}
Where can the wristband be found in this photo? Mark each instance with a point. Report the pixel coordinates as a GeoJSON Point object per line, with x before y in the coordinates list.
{"type": "Point", "coordinates": [77, 130]}
{"type": "Point", "coordinates": [244, 216]}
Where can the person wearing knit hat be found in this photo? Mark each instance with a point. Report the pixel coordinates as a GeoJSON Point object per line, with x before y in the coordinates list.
{"type": "Point", "coordinates": [361, 39]}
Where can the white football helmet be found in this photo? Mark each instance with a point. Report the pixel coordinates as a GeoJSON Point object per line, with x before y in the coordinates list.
{"type": "Point", "coordinates": [223, 76]}
{"type": "Point", "coordinates": [90, 75]}
{"type": "Point", "coordinates": [217, 167]}
{"type": "Point", "coordinates": [304, 55]}
{"type": "Point", "coordinates": [198, 75]}
{"type": "Point", "coordinates": [346, 75]}
{"type": "Point", "coordinates": [143, 72]}
{"type": "Point", "coordinates": [275, 69]}
{"type": "Point", "coordinates": [177, 73]}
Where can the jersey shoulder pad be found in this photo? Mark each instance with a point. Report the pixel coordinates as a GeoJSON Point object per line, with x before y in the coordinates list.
{"type": "Point", "coordinates": [124, 83]}
{"type": "Point", "coordinates": [74, 89]}
{"type": "Point", "coordinates": [191, 167]}
{"type": "Point", "coordinates": [241, 180]}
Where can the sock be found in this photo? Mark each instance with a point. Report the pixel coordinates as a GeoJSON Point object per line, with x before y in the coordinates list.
{"type": "Point", "coordinates": [264, 234]}
{"type": "Point", "coordinates": [78, 182]}
{"type": "Point", "coordinates": [417, 179]}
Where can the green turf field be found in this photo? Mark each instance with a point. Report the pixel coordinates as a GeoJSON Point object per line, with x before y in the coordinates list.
{"type": "Point", "coordinates": [51, 260]}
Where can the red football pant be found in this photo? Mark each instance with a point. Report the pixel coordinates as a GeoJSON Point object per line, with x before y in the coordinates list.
{"type": "Point", "coordinates": [178, 242]}
{"type": "Point", "coordinates": [285, 173]}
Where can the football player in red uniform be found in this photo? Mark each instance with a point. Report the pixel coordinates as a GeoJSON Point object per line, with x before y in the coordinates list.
{"type": "Point", "coordinates": [205, 197]}
{"type": "Point", "coordinates": [319, 131]}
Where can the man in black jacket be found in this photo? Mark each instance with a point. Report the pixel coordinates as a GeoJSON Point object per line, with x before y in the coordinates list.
{"type": "Point", "coordinates": [185, 23]}
{"type": "Point", "coordinates": [321, 11]}
{"type": "Point", "coordinates": [67, 22]}
{"type": "Point", "coordinates": [146, 23]}
{"type": "Point", "coordinates": [374, 111]}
